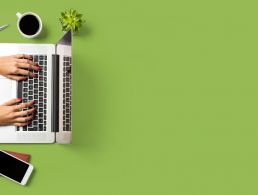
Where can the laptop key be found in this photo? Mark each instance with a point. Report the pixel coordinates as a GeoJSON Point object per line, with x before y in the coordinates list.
{"type": "Point", "coordinates": [41, 127]}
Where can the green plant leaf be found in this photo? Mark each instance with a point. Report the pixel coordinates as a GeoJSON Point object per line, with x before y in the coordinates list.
{"type": "Point", "coordinates": [71, 19]}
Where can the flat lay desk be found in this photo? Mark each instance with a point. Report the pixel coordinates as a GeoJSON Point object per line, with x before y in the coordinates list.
{"type": "Point", "coordinates": [164, 99]}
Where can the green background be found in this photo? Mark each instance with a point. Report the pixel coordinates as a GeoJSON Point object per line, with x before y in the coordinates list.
{"type": "Point", "coordinates": [164, 99]}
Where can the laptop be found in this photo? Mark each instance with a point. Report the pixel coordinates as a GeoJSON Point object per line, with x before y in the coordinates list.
{"type": "Point", "coordinates": [52, 91]}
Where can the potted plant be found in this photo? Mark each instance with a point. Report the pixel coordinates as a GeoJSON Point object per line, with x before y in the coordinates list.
{"type": "Point", "coordinates": [71, 19]}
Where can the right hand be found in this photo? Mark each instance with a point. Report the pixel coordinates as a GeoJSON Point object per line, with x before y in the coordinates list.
{"type": "Point", "coordinates": [13, 113]}
{"type": "Point", "coordinates": [17, 67]}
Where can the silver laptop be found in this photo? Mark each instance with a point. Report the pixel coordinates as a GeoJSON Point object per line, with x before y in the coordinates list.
{"type": "Point", "coordinates": [52, 91]}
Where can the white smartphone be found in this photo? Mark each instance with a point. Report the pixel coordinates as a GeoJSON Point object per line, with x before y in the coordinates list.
{"type": "Point", "coordinates": [14, 168]}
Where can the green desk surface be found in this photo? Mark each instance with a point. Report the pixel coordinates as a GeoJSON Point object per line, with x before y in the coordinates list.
{"type": "Point", "coordinates": [164, 99]}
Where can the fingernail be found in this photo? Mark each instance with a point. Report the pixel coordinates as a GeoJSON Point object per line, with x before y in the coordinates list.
{"type": "Point", "coordinates": [38, 68]}
{"type": "Point", "coordinates": [24, 79]}
{"type": "Point", "coordinates": [34, 75]}
{"type": "Point", "coordinates": [19, 99]}
{"type": "Point", "coordinates": [34, 101]}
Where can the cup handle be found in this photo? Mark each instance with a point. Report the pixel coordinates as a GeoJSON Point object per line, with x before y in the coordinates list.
{"type": "Point", "coordinates": [18, 14]}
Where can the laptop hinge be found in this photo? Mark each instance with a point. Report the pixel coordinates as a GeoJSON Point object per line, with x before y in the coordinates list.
{"type": "Point", "coordinates": [55, 94]}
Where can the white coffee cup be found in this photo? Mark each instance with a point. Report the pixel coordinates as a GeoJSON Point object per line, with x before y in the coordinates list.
{"type": "Point", "coordinates": [29, 24]}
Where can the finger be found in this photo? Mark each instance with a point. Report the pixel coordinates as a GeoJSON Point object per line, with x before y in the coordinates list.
{"type": "Point", "coordinates": [24, 72]}
{"type": "Point", "coordinates": [27, 64]}
{"type": "Point", "coordinates": [24, 105]}
{"type": "Point", "coordinates": [17, 78]}
{"type": "Point", "coordinates": [21, 124]}
{"type": "Point", "coordinates": [12, 102]}
{"type": "Point", "coordinates": [23, 56]}
{"type": "Point", "coordinates": [24, 119]}
{"type": "Point", "coordinates": [25, 112]}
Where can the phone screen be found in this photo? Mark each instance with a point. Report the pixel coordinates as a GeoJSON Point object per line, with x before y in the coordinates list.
{"type": "Point", "coordinates": [12, 167]}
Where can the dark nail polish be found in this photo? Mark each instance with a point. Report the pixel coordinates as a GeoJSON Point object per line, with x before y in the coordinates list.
{"type": "Point", "coordinates": [19, 99]}
{"type": "Point", "coordinates": [34, 75]}
{"type": "Point", "coordinates": [38, 68]}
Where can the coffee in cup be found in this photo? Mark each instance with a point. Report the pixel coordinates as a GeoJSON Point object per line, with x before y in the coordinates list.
{"type": "Point", "coordinates": [29, 24]}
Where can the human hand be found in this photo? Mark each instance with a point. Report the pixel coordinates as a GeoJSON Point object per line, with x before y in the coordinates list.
{"type": "Point", "coordinates": [17, 67]}
{"type": "Point", "coordinates": [13, 113]}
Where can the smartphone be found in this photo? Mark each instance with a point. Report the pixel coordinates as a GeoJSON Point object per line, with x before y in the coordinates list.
{"type": "Point", "coordinates": [15, 169]}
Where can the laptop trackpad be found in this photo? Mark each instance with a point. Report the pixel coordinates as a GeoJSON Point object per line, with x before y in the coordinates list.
{"type": "Point", "coordinates": [7, 92]}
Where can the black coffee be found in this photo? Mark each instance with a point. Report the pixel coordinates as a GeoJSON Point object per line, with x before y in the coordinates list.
{"type": "Point", "coordinates": [29, 25]}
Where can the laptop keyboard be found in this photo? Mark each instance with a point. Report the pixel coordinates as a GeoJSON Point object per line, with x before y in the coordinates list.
{"type": "Point", "coordinates": [67, 91]}
{"type": "Point", "coordinates": [36, 89]}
